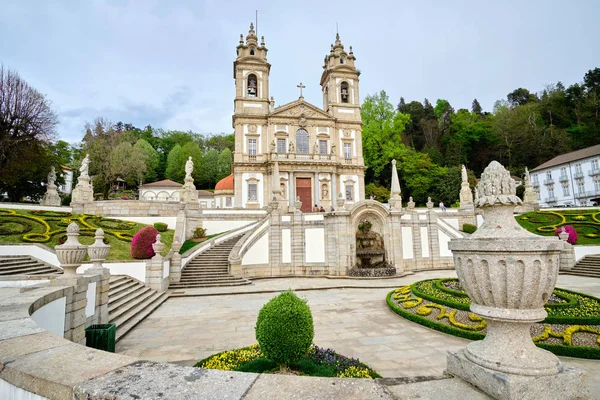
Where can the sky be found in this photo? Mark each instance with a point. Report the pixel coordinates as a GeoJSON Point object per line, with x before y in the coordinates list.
{"type": "Point", "coordinates": [169, 64]}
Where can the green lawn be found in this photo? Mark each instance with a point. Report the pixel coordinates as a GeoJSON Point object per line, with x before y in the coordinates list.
{"type": "Point", "coordinates": [586, 223]}
{"type": "Point", "coordinates": [49, 228]}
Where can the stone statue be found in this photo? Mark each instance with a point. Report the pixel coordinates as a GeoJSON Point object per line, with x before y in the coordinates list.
{"type": "Point", "coordinates": [85, 165]}
{"type": "Point", "coordinates": [476, 194]}
{"type": "Point", "coordinates": [333, 149]}
{"type": "Point", "coordinates": [273, 146]}
{"type": "Point", "coordinates": [52, 176]}
{"type": "Point", "coordinates": [465, 178]}
{"type": "Point", "coordinates": [291, 148]}
{"type": "Point", "coordinates": [189, 167]}
{"type": "Point", "coordinates": [324, 192]}
{"type": "Point", "coordinates": [527, 177]}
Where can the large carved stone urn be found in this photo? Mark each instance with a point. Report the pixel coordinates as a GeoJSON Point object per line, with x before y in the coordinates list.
{"type": "Point", "coordinates": [98, 251]}
{"type": "Point", "coordinates": [509, 274]}
{"type": "Point", "coordinates": [71, 253]}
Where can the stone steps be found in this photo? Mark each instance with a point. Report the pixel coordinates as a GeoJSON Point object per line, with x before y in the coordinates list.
{"type": "Point", "coordinates": [25, 265]}
{"type": "Point", "coordinates": [210, 269]}
{"type": "Point", "coordinates": [588, 266]}
{"type": "Point", "coordinates": [129, 302]}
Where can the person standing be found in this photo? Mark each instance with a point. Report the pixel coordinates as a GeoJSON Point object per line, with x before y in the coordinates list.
{"type": "Point", "coordinates": [442, 206]}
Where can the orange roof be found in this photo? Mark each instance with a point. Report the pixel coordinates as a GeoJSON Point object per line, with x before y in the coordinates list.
{"type": "Point", "coordinates": [225, 183]}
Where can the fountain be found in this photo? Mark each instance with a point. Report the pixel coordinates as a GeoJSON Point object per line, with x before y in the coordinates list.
{"type": "Point", "coordinates": [370, 253]}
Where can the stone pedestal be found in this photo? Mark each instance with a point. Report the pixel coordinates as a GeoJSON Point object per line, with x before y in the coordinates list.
{"type": "Point", "coordinates": [155, 267]}
{"type": "Point", "coordinates": [189, 193]}
{"type": "Point", "coordinates": [566, 384]}
{"type": "Point", "coordinates": [84, 191]}
{"type": "Point", "coordinates": [98, 253]}
{"type": "Point", "coordinates": [51, 197]}
{"type": "Point", "coordinates": [75, 318]}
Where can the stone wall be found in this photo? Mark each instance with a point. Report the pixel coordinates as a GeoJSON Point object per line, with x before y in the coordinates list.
{"type": "Point", "coordinates": [132, 208]}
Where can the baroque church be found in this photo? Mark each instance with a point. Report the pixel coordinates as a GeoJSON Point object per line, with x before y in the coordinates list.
{"type": "Point", "coordinates": [318, 150]}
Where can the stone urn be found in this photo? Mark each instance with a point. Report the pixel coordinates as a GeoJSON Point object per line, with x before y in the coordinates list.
{"type": "Point", "coordinates": [71, 253]}
{"type": "Point", "coordinates": [98, 251]}
{"type": "Point", "coordinates": [509, 274]}
{"type": "Point", "coordinates": [158, 246]}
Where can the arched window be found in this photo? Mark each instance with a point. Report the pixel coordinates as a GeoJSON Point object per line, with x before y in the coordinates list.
{"type": "Point", "coordinates": [251, 51]}
{"type": "Point", "coordinates": [344, 92]}
{"type": "Point", "coordinates": [252, 85]}
{"type": "Point", "coordinates": [342, 60]}
{"type": "Point", "coordinates": [302, 141]}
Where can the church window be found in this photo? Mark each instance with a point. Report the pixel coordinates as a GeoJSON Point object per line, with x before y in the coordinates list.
{"type": "Point", "coordinates": [342, 60]}
{"type": "Point", "coordinates": [565, 188]}
{"type": "Point", "coordinates": [344, 92]}
{"type": "Point", "coordinates": [251, 52]}
{"type": "Point", "coordinates": [252, 147]}
{"type": "Point", "coordinates": [347, 150]}
{"type": "Point", "coordinates": [252, 192]}
{"type": "Point", "coordinates": [349, 192]}
{"type": "Point", "coordinates": [302, 141]}
{"type": "Point", "coordinates": [323, 146]}
{"type": "Point", "coordinates": [252, 85]}
{"type": "Point", "coordinates": [281, 145]}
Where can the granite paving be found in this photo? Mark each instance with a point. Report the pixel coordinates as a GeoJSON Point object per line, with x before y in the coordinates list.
{"type": "Point", "coordinates": [350, 316]}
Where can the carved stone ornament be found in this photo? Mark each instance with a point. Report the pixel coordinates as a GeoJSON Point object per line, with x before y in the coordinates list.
{"type": "Point", "coordinates": [496, 187]}
{"type": "Point", "coordinates": [346, 133]}
{"type": "Point", "coordinates": [302, 121]}
{"type": "Point", "coordinates": [252, 128]}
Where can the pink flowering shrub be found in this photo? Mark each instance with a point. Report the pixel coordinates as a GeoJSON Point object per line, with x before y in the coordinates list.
{"type": "Point", "coordinates": [141, 244]}
{"type": "Point", "coordinates": [571, 231]}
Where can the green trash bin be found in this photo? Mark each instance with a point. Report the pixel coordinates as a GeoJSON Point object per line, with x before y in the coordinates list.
{"type": "Point", "coordinates": [101, 337]}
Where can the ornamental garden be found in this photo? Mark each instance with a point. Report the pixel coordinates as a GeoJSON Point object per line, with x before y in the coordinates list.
{"type": "Point", "coordinates": [572, 327]}
{"type": "Point", "coordinates": [49, 228]}
{"type": "Point", "coordinates": [586, 223]}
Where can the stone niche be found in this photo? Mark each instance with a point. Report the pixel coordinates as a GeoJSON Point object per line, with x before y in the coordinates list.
{"type": "Point", "coordinates": [370, 248]}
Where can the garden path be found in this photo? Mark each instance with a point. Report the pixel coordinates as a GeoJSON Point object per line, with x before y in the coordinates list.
{"type": "Point", "coordinates": [354, 321]}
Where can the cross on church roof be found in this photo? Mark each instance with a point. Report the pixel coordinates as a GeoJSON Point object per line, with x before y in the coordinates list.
{"type": "Point", "coordinates": [301, 86]}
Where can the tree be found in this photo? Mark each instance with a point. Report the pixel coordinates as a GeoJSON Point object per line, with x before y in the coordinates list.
{"type": "Point", "coordinates": [127, 164]}
{"type": "Point", "coordinates": [382, 128]}
{"type": "Point", "coordinates": [224, 164]}
{"type": "Point", "coordinates": [174, 162]}
{"type": "Point", "coordinates": [27, 127]}
{"type": "Point", "coordinates": [151, 159]}
{"type": "Point", "coordinates": [210, 169]}
{"type": "Point", "coordinates": [476, 108]}
{"type": "Point", "coordinates": [379, 193]}
{"type": "Point", "coordinates": [99, 141]}
{"type": "Point", "coordinates": [520, 96]}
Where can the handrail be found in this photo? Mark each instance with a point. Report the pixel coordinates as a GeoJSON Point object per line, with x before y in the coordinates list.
{"type": "Point", "coordinates": [193, 252]}
{"type": "Point", "coordinates": [242, 246]}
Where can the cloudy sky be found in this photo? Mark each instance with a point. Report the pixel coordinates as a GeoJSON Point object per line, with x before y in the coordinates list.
{"type": "Point", "coordinates": [169, 63]}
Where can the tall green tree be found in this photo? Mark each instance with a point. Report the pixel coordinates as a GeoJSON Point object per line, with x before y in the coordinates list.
{"type": "Point", "coordinates": [224, 164]}
{"type": "Point", "coordinates": [151, 159]}
{"type": "Point", "coordinates": [175, 161]}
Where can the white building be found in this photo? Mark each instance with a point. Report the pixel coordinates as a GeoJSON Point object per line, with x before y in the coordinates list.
{"type": "Point", "coordinates": [569, 179]}
{"type": "Point", "coordinates": [165, 190]}
{"type": "Point", "coordinates": [67, 187]}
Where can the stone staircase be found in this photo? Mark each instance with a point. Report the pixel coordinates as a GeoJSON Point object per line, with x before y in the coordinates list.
{"type": "Point", "coordinates": [25, 265]}
{"type": "Point", "coordinates": [210, 269]}
{"type": "Point", "coordinates": [587, 266]}
{"type": "Point", "coordinates": [129, 302]}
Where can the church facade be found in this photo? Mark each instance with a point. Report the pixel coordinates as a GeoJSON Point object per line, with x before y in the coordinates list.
{"type": "Point", "coordinates": [318, 150]}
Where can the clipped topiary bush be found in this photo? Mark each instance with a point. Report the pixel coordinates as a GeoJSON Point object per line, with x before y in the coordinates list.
{"type": "Point", "coordinates": [141, 244]}
{"type": "Point", "coordinates": [284, 329]}
{"type": "Point", "coordinates": [571, 231]}
{"type": "Point", "coordinates": [469, 228]}
{"type": "Point", "coordinates": [199, 233]}
{"type": "Point", "coordinates": [161, 226]}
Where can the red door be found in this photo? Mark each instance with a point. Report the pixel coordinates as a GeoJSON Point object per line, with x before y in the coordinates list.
{"type": "Point", "coordinates": [304, 191]}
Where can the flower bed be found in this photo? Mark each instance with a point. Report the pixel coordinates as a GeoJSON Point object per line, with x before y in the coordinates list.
{"type": "Point", "coordinates": [49, 228]}
{"type": "Point", "coordinates": [318, 362]}
{"type": "Point", "coordinates": [585, 222]}
{"type": "Point", "coordinates": [572, 327]}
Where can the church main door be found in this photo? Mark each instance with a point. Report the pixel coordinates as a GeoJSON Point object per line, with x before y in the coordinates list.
{"type": "Point", "coordinates": [304, 191]}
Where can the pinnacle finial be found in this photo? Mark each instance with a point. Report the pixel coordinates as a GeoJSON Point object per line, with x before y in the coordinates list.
{"type": "Point", "coordinates": [241, 38]}
{"type": "Point", "coordinates": [262, 40]}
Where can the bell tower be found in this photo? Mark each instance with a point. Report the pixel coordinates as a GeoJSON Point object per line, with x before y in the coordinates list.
{"type": "Point", "coordinates": [251, 73]}
{"type": "Point", "coordinates": [339, 83]}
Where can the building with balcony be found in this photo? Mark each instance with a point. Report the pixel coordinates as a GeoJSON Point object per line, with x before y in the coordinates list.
{"type": "Point", "coordinates": [571, 179]}
{"type": "Point", "coordinates": [318, 150]}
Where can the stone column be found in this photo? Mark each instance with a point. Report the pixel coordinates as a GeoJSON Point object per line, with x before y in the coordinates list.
{"type": "Point", "coordinates": [509, 274]}
{"type": "Point", "coordinates": [316, 190]}
{"type": "Point", "coordinates": [333, 193]}
{"type": "Point", "coordinates": [70, 256]}
{"type": "Point", "coordinates": [175, 266]}
{"type": "Point", "coordinates": [154, 268]}
{"type": "Point", "coordinates": [97, 253]}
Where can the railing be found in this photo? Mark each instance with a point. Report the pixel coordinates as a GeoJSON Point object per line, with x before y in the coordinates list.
{"type": "Point", "coordinates": [594, 172]}
{"type": "Point", "coordinates": [549, 181]}
{"type": "Point", "coordinates": [579, 195]}
{"type": "Point", "coordinates": [551, 199]}
{"type": "Point", "coordinates": [595, 192]}
{"type": "Point", "coordinates": [563, 178]}
{"type": "Point", "coordinates": [535, 183]}
{"type": "Point", "coordinates": [348, 160]}
{"type": "Point", "coordinates": [578, 175]}
{"type": "Point", "coordinates": [252, 157]}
